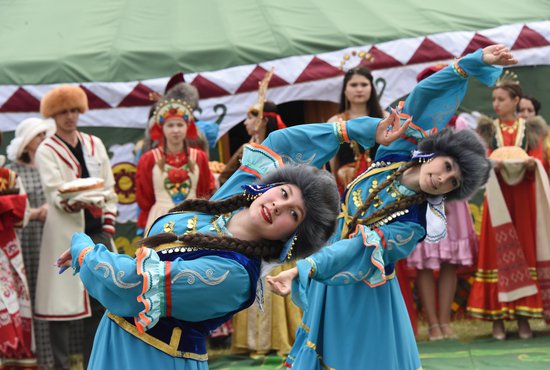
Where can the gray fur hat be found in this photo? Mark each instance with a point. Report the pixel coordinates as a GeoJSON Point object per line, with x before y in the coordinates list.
{"type": "Point", "coordinates": [321, 201]}
{"type": "Point", "coordinates": [469, 152]}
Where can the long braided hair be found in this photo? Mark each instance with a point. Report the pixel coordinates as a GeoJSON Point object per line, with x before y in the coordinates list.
{"type": "Point", "coordinates": [399, 205]}
{"type": "Point", "coordinates": [266, 249]}
{"type": "Point", "coordinates": [320, 195]}
{"type": "Point", "coordinates": [465, 147]}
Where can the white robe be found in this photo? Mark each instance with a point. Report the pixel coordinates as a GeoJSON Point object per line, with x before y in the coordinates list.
{"type": "Point", "coordinates": [62, 297]}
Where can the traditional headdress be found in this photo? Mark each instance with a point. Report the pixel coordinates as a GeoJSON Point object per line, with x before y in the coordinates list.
{"type": "Point", "coordinates": [507, 78]}
{"type": "Point", "coordinates": [168, 109]}
{"type": "Point", "coordinates": [321, 199]}
{"type": "Point", "coordinates": [63, 98]}
{"type": "Point", "coordinates": [258, 108]}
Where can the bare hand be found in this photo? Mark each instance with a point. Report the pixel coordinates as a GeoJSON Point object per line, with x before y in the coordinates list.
{"type": "Point", "coordinates": [64, 261]}
{"type": "Point", "coordinates": [498, 55]}
{"type": "Point", "coordinates": [42, 212]}
{"type": "Point", "coordinates": [282, 283]}
{"type": "Point", "coordinates": [390, 129]}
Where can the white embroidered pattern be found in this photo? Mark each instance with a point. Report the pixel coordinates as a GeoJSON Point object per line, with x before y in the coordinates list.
{"type": "Point", "coordinates": [298, 158]}
{"type": "Point", "coordinates": [347, 276]}
{"type": "Point", "coordinates": [399, 240]}
{"type": "Point", "coordinates": [191, 275]}
{"type": "Point", "coordinates": [109, 270]}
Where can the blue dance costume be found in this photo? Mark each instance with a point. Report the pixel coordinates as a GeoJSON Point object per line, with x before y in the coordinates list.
{"type": "Point", "coordinates": [163, 303]}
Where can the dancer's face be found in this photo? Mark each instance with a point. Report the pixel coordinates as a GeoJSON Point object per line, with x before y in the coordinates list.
{"type": "Point", "coordinates": [503, 103]}
{"type": "Point", "coordinates": [277, 213]}
{"type": "Point", "coordinates": [358, 89]}
{"type": "Point", "coordinates": [526, 108]}
{"type": "Point", "coordinates": [439, 176]}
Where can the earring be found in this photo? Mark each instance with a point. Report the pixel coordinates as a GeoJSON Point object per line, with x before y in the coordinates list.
{"type": "Point", "coordinates": [289, 254]}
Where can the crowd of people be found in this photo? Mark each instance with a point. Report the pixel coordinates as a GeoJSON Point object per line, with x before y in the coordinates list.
{"type": "Point", "coordinates": [286, 250]}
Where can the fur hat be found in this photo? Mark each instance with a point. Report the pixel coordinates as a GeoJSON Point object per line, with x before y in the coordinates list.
{"type": "Point", "coordinates": [322, 203]}
{"type": "Point", "coordinates": [467, 149]}
{"type": "Point", "coordinates": [63, 98]}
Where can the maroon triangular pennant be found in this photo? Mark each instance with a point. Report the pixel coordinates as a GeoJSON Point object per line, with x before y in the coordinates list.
{"type": "Point", "coordinates": [380, 60]}
{"type": "Point", "coordinates": [529, 38]}
{"type": "Point", "coordinates": [94, 101]}
{"type": "Point", "coordinates": [208, 89]}
{"type": "Point", "coordinates": [318, 69]}
{"type": "Point", "coordinates": [21, 101]}
{"type": "Point", "coordinates": [478, 41]}
{"type": "Point", "coordinates": [139, 97]}
{"type": "Point", "coordinates": [429, 51]}
{"type": "Point", "coordinates": [257, 75]}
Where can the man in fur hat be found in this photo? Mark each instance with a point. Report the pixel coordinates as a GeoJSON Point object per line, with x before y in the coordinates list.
{"type": "Point", "coordinates": [64, 157]}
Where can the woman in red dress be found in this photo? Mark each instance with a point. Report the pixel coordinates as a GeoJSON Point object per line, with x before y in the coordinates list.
{"type": "Point", "coordinates": [487, 299]}
{"type": "Point", "coordinates": [174, 171]}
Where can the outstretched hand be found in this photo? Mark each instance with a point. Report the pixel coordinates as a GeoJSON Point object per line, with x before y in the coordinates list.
{"type": "Point", "coordinates": [498, 54]}
{"type": "Point", "coordinates": [390, 129]}
{"type": "Point", "coordinates": [281, 284]}
{"type": "Point", "coordinates": [64, 261]}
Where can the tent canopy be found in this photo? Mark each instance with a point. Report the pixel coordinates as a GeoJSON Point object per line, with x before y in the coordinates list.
{"type": "Point", "coordinates": [52, 41]}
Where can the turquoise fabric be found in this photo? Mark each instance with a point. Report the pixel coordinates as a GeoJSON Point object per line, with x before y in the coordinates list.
{"type": "Point", "coordinates": [54, 41]}
{"type": "Point", "coordinates": [354, 318]}
{"type": "Point", "coordinates": [201, 289]}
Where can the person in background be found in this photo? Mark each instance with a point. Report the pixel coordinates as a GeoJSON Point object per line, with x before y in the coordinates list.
{"type": "Point", "coordinates": [64, 157]}
{"type": "Point", "coordinates": [173, 171]}
{"type": "Point", "coordinates": [29, 134]}
{"type": "Point", "coordinates": [16, 342]}
{"type": "Point", "coordinates": [258, 128]}
{"type": "Point", "coordinates": [458, 248]}
{"type": "Point", "coordinates": [358, 98]}
{"type": "Point", "coordinates": [511, 256]}
{"type": "Point", "coordinates": [529, 108]}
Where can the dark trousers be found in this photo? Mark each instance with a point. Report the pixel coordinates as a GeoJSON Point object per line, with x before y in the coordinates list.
{"type": "Point", "coordinates": [60, 330]}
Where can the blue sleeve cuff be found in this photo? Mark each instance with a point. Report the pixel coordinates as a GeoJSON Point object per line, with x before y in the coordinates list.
{"type": "Point", "coordinates": [475, 67]}
{"type": "Point", "coordinates": [300, 285]}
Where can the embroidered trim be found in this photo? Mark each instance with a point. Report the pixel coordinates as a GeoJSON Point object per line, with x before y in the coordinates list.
{"type": "Point", "coordinates": [458, 70]}
{"type": "Point", "coordinates": [191, 276]}
{"type": "Point", "coordinates": [152, 270]}
{"type": "Point", "coordinates": [117, 278]}
{"type": "Point", "coordinates": [83, 254]}
{"type": "Point", "coordinates": [170, 349]}
{"type": "Point", "coordinates": [400, 240]}
{"type": "Point", "coordinates": [340, 131]}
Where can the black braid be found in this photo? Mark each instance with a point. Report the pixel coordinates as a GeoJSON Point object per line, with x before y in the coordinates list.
{"type": "Point", "coordinates": [396, 206]}
{"type": "Point", "coordinates": [370, 198]}
{"type": "Point", "coordinates": [214, 207]}
{"type": "Point", "coordinates": [266, 249]}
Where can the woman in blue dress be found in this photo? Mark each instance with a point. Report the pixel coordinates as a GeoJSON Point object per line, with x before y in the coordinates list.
{"type": "Point", "coordinates": [202, 262]}
{"type": "Point", "coordinates": [354, 314]}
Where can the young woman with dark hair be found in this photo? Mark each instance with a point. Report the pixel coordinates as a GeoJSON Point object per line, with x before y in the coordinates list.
{"type": "Point", "coordinates": [354, 314]}
{"type": "Point", "coordinates": [358, 98]}
{"type": "Point", "coordinates": [490, 298]}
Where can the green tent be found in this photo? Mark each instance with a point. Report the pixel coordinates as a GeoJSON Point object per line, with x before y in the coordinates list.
{"type": "Point", "coordinates": [121, 51]}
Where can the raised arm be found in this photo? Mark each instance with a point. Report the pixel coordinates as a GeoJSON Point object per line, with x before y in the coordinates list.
{"type": "Point", "coordinates": [435, 100]}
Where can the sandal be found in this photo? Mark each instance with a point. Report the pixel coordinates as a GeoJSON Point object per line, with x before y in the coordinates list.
{"type": "Point", "coordinates": [499, 332]}
{"type": "Point", "coordinates": [448, 331]}
{"type": "Point", "coordinates": [434, 333]}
